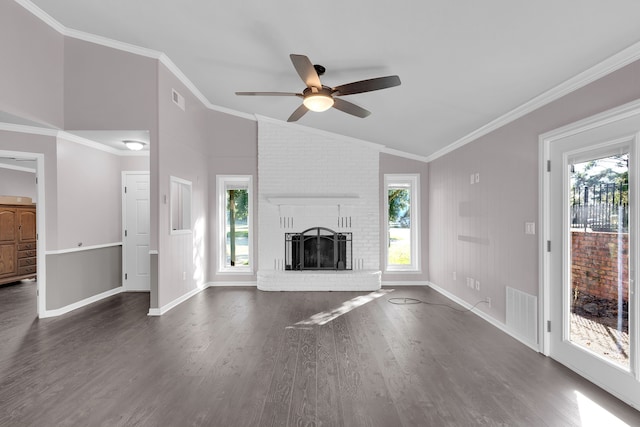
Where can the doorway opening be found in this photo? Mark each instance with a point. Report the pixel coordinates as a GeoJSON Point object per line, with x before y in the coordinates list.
{"type": "Point", "coordinates": [26, 220]}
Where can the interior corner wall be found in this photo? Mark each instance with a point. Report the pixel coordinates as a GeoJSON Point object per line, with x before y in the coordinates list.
{"type": "Point", "coordinates": [478, 230]}
{"type": "Point", "coordinates": [233, 143]}
{"type": "Point", "coordinates": [108, 89]}
{"type": "Point", "coordinates": [31, 75]}
{"type": "Point", "coordinates": [390, 164]}
{"type": "Point", "coordinates": [182, 151]}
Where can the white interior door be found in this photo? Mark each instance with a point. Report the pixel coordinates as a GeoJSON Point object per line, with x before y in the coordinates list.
{"type": "Point", "coordinates": [136, 228]}
{"type": "Point", "coordinates": [593, 232]}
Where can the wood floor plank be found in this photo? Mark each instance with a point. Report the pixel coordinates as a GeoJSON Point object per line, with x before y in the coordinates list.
{"type": "Point", "coordinates": [329, 408]}
{"type": "Point", "coordinates": [278, 401]}
{"type": "Point", "coordinates": [304, 398]}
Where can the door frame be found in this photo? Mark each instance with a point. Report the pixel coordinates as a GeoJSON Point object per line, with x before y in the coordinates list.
{"type": "Point", "coordinates": [124, 221]}
{"type": "Point", "coordinates": [41, 281]}
{"type": "Point", "coordinates": [622, 112]}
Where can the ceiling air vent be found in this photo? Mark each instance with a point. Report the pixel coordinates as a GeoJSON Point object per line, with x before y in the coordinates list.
{"type": "Point", "coordinates": [177, 99]}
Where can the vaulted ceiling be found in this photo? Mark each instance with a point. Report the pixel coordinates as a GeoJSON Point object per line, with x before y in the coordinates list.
{"type": "Point", "coordinates": [462, 63]}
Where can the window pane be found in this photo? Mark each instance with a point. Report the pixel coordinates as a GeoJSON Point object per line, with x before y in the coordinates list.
{"type": "Point", "coordinates": [399, 226]}
{"type": "Point", "coordinates": [236, 226]}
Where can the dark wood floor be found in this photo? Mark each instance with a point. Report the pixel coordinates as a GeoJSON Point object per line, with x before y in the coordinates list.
{"type": "Point", "coordinates": [226, 358]}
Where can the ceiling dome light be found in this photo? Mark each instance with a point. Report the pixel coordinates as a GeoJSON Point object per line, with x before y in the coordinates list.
{"type": "Point", "coordinates": [134, 145]}
{"type": "Point", "coordinates": [318, 102]}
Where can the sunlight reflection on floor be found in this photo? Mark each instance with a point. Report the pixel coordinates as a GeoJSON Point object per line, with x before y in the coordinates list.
{"type": "Point", "coordinates": [593, 415]}
{"type": "Point", "coordinates": [325, 317]}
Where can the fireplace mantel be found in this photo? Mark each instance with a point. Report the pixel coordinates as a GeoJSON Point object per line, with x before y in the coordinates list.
{"type": "Point", "coordinates": [311, 199]}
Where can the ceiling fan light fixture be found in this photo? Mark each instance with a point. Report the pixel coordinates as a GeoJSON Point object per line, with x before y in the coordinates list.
{"type": "Point", "coordinates": [134, 145]}
{"type": "Point", "coordinates": [318, 102]}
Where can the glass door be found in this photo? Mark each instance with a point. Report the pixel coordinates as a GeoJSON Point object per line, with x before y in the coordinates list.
{"type": "Point", "coordinates": [598, 264]}
{"type": "Point", "coordinates": [592, 259]}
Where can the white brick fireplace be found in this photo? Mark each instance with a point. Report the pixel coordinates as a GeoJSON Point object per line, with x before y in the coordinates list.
{"type": "Point", "coordinates": [309, 178]}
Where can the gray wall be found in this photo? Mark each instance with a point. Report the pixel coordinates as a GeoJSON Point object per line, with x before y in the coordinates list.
{"type": "Point", "coordinates": [89, 199]}
{"type": "Point", "coordinates": [74, 276]}
{"type": "Point", "coordinates": [478, 230]}
{"type": "Point", "coordinates": [390, 164]}
{"type": "Point", "coordinates": [233, 143]}
{"type": "Point", "coordinates": [31, 75]}
{"type": "Point", "coordinates": [183, 153]}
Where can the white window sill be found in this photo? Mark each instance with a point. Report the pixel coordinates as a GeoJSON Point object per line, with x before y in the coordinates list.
{"type": "Point", "coordinates": [233, 272]}
{"type": "Point", "coordinates": [401, 271]}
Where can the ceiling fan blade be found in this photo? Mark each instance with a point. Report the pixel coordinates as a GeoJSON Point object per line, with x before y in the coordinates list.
{"type": "Point", "coordinates": [350, 108]}
{"type": "Point", "coordinates": [367, 85]}
{"type": "Point", "coordinates": [306, 70]}
{"type": "Point", "coordinates": [300, 111]}
{"type": "Point", "coordinates": [268, 94]}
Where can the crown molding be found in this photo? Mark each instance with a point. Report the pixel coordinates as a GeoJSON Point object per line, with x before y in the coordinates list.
{"type": "Point", "coordinates": [609, 65]}
{"type": "Point", "coordinates": [33, 130]}
{"type": "Point", "coordinates": [114, 44]}
{"type": "Point", "coordinates": [598, 71]}
{"type": "Point", "coordinates": [130, 48]}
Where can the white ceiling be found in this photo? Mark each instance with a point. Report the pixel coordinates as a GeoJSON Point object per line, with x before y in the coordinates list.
{"type": "Point", "coordinates": [462, 63]}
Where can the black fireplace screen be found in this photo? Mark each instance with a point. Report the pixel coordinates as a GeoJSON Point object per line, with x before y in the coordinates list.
{"type": "Point", "coordinates": [318, 248]}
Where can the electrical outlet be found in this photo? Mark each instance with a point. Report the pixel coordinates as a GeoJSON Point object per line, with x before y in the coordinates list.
{"type": "Point", "coordinates": [477, 177]}
{"type": "Point", "coordinates": [454, 275]}
{"type": "Point", "coordinates": [184, 275]}
{"type": "Point", "coordinates": [472, 178]}
{"type": "Point", "coordinates": [477, 285]}
{"type": "Point", "coordinates": [488, 300]}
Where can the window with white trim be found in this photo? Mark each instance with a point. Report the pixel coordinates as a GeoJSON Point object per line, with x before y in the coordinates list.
{"type": "Point", "coordinates": [235, 213]}
{"type": "Point", "coordinates": [402, 221]}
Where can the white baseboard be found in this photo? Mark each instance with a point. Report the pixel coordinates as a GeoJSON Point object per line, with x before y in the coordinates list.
{"type": "Point", "coordinates": [225, 284]}
{"type": "Point", "coordinates": [392, 283]}
{"type": "Point", "coordinates": [481, 314]}
{"type": "Point", "coordinates": [162, 310]}
{"type": "Point", "coordinates": [82, 303]}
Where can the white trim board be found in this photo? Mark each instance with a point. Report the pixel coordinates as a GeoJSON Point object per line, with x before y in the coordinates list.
{"type": "Point", "coordinates": [82, 248]}
{"type": "Point", "coordinates": [223, 284]}
{"type": "Point", "coordinates": [481, 314]}
{"type": "Point", "coordinates": [82, 303]}
{"type": "Point", "coordinates": [165, 308]}
{"type": "Point", "coordinates": [396, 283]}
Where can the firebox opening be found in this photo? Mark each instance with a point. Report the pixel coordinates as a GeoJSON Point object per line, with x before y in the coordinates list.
{"type": "Point", "coordinates": [318, 248]}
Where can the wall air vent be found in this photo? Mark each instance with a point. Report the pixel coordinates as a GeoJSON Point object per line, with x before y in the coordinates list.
{"type": "Point", "coordinates": [177, 99]}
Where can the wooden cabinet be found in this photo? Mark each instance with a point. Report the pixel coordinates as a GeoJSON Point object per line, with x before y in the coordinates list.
{"type": "Point", "coordinates": [18, 245]}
